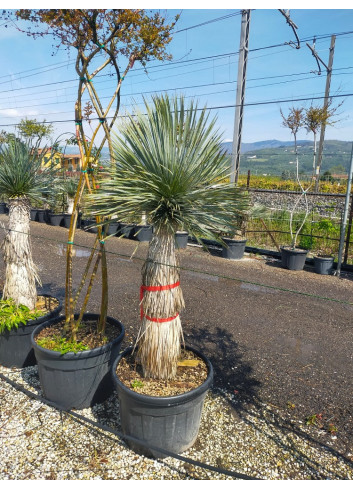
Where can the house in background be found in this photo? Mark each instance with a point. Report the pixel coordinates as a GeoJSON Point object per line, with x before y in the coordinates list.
{"type": "Point", "coordinates": [67, 162]}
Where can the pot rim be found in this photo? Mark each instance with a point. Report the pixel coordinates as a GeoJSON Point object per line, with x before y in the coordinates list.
{"type": "Point", "coordinates": [232, 240]}
{"type": "Point", "coordinates": [166, 400]}
{"type": "Point", "coordinates": [80, 354]}
{"type": "Point", "coordinates": [295, 250]}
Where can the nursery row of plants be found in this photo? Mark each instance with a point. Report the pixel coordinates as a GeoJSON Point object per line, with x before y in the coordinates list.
{"type": "Point", "coordinates": [319, 235]}
{"type": "Point", "coordinates": [270, 182]}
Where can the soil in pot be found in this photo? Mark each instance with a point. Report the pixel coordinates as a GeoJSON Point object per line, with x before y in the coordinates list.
{"type": "Point", "coordinates": [15, 346]}
{"type": "Point", "coordinates": [76, 376]}
{"type": "Point", "coordinates": [163, 414]}
{"type": "Point", "coordinates": [191, 373]}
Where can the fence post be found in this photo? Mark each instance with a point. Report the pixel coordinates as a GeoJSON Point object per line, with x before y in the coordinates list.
{"type": "Point", "coordinates": [248, 180]}
{"type": "Point", "coordinates": [344, 220]}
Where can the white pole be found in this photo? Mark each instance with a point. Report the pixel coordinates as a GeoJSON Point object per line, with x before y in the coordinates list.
{"type": "Point", "coordinates": [345, 213]}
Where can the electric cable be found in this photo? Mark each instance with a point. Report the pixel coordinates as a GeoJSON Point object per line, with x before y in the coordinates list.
{"type": "Point", "coordinates": [188, 269]}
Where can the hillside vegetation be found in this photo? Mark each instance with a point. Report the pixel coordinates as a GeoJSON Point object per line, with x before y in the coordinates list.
{"type": "Point", "coordinates": [278, 157]}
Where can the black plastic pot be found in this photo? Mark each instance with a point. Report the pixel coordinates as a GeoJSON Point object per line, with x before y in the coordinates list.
{"type": "Point", "coordinates": [167, 422]}
{"type": "Point", "coordinates": [67, 221]}
{"type": "Point", "coordinates": [181, 239]}
{"type": "Point", "coordinates": [142, 232]}
{"type": "Point", "coordinates": [77, 380]}
{"type": "Point", "coordinates": [126, 230]}
{"type": "Point", "coordinates": [113, 228]}
{"type": "Point", "coordinates": [42, 216]}
{"type": "Point", "coordinates": [89, 225]}
{"type": "Point", "coordinates": [323, 265]}
{"type": "Point", "coordinates": [234, 250]}
{"type": "Point", "coordinates": [293, 259]}
{"type": "Point", "coordinates": [3, 208]}
{"type": "Point", "coordinates": [34, 214]}
{"type": "Point", "coordinates": [15, 345]}
{"type": "Point", "coordinates": [56, 219]}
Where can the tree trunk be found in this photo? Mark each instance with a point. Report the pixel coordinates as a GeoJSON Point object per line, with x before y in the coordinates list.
{"type": "Point", "coordinates": [160, 336]}
{"type": "Point", "coordinates": [20, 273]}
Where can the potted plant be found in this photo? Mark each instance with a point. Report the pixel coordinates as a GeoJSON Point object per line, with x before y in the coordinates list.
{"type": "Point", "coordinates": [234, 244]}
{"type": "Point", "coordinates": [66, 356]}
{"type": "Point", "coordinates": [178, 184]}
{"type": "Point", "coordinates": [313, 119]}
{"type": "Point", "coordinates": [69, 190]}
{"type": "Point", "coordinates": [56, 205]}
{"type": "Point", "coordinates": [292, 257]}
{"type": "Point", "coordinates": [21, 178]}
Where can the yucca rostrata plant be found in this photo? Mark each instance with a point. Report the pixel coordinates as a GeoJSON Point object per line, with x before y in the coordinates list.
{"type": "Point", "coordinates": [22, 179]}
{"type": "Point", "coordinates": [170, 166]}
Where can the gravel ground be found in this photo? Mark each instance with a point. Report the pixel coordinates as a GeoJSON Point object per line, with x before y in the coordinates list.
{"type": "Point", "coordinates": [281, 346]}
{"type": "Point", "coordinates": [39, 442]}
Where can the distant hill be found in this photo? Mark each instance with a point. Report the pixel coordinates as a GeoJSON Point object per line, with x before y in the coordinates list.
{"type": "Point", "coordinates": [270, 143]}
{"type": "Point", "coordinates": [273, 157]}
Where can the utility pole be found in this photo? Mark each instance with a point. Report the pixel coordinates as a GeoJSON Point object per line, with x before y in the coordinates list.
{"type": "Point", "coordinates": [241, 80]}
{"type": "Point", "coordinates": [239, 103]}
{"type": "Point", "coordinates": [326, 103]}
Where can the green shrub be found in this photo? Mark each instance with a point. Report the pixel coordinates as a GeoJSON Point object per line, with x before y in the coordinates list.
{"type": "Point", "coordinates": [13, 315]}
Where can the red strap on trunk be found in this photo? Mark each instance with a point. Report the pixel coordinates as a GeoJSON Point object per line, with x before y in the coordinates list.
{"type": "Point", "coordinates": [157, 288]}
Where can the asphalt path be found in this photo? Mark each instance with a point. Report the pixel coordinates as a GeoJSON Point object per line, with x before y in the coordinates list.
{"type": "Point", "coordinates": [273, 335]}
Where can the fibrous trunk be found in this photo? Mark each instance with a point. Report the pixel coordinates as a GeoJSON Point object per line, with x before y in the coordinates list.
{"type": "Point", "coordinates": [160, 336]}
{"type": "Point", "coordinates": [20, 274]}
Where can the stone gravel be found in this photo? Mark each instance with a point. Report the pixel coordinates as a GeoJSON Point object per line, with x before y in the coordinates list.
{"type": "Point", "coordinates": [40, 442]}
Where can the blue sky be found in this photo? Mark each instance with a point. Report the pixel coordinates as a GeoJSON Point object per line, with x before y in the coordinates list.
{"type": "Point", "coordinates": [274, 74]}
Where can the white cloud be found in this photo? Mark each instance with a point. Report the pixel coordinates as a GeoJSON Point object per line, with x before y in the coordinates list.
{"type": "Point", "coordinates": [10, 113]}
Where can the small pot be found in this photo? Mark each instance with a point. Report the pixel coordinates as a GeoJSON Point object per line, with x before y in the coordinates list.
{"type": "Point", "coordinates": [181, 239]}
{"type": "Point", "coordinates": [67, 221]}
{"type": "Point", "coordinates": [77, 380]}
{"type": "Point", "coordinates": [113, 228]}
{"type": "Point", "coordinates": [142, 232]}
{"type": "Point", "coordinates": [3, 208]}
{"type": "Point", "coordinates": [293, 259]}
{"type": "Point", "coordinates": [323, 264]}
{"type": "Point", "coordinates": [15, 345]}
{"type": "Point", "coordinates": [125, 230]}
{"type": "Point", "coordinates": [34, 214]}
{"type": "Point", "coordinates": [234, 250]}
{"type": "Point", "coordinates": [170, 422]}
{"type": "Point", "coordinates": [43, 216]}
{"type": "Point", "coordinates": [56, 219]}
{"type": "Point", "coordinates": [89, 225]}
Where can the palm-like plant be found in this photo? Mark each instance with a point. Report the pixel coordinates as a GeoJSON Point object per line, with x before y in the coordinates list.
{"type": "Point", "coordinates": [22, 179]}
{"type": "Point", "coordinates": [169, 165]}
